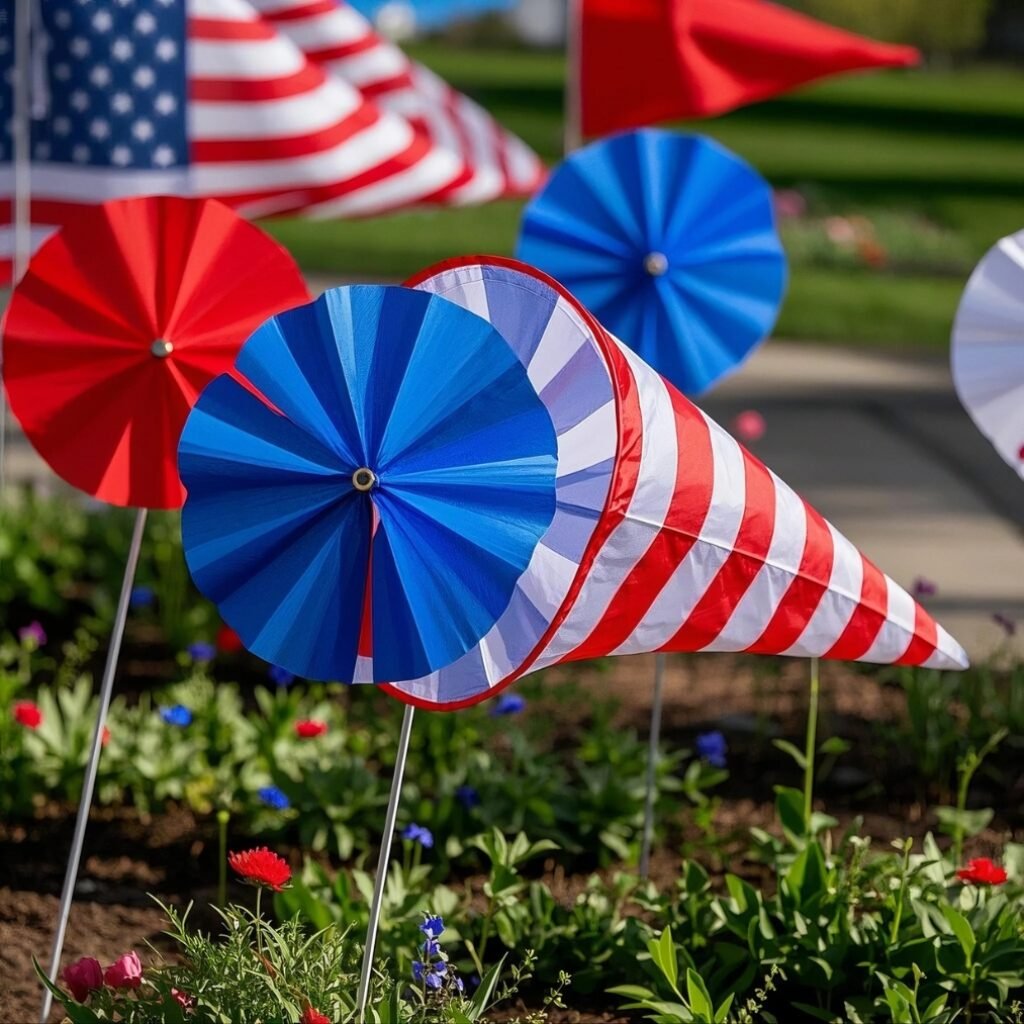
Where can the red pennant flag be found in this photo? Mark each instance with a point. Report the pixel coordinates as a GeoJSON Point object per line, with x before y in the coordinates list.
{"type": "Point", "coordinates": [645, 61]}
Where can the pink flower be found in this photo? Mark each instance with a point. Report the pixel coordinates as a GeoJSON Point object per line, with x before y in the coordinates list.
{"type": "Point", "coordinates": [840, 231]}
{"type": "Point", "coordinates": [183, 1000]}
{"type": "Point", "coordinates": [83, 977]}
{"type": "Point", "coordinates": [310, 729]}
{"type": "Point", "coordinates": [789, 203]}
{"type": "Point", "coordinates": [27, 713]}
{"type": "Point", "coordinates": [749, 426]}
{"type": "Point", "coordinates": [982, 871]}
{"type": "Point", "coordinates": [125, 971]}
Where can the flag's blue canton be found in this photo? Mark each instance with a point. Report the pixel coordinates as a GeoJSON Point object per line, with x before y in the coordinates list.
{"type": "Point", "coordinates": [115, 76]}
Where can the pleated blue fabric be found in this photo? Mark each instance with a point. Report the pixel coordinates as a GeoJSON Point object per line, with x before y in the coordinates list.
{"type": "Point", "coordinates": [670, 241]}
{"type": "Point", "coordinates": [333, 581]}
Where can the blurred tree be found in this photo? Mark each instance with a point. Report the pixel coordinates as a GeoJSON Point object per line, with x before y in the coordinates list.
{"type": "Point", "coordinates": [943, 28]}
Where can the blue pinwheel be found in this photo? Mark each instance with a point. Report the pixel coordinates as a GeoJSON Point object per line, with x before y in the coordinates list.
{"type": "Point", "coordinates": [670, 241]}
{"type": "Point", "coordinates": [363, 510]}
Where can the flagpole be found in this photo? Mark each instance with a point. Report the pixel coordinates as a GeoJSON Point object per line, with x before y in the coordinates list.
{"type": "Point", "coordinates": [652, 765]}
{"type": "Point", "coordinates": [573, 129]}
{"type": "Point", "coordinates": [21, 138]}
{"type": "Point", "coordinates": [92, 768]}
{"type": "Point", "coordinates": [382, 862]}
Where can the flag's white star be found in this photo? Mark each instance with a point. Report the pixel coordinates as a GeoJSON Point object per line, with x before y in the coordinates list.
{"type": "Point", "coordinates": [121, 103]}
{"type": "Point", "coordinates": [121, 155]}
{"type": "Point", "coordinates": [163, 156]}
{"type": "Point", "coordinates": [99, 128]}
{"type": "Point", "coordinates": [145, 23]}
{"type": "Point", "coordinates": [122, 49]}
{"type": "Point", "coordinates": [79, 47]}
{"type": "Point", "coordinates": [100, 76]}
{"type": "Point", "coordinates": [62, 18]}
{"type": "Point", "coordinates": [80, 99]}
{"type": "Point", "coordinates": [80, 154]}
{"type": "Point", "coordinates": [143, 130]}
{"type": "Point", "coordinates": [42, 151]}
{"type": "Point", "coordinates": [166, 49]}
{"type": "Point", "coordinates": [102, 21]}
{"type": "Point", "coordinates": [62, 71]}
{"type": "Point", "coordinates": [165, 103]}
{"type": "Point", "coordinates": [61, 125]}
{"type": "Point", "coordinates": [143, 76]}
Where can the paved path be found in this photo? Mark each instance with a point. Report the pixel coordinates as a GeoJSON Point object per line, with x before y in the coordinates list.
{"type": "Point", "coordinates": [881, 446]}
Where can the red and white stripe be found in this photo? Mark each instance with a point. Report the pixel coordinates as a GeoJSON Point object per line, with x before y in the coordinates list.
{"type": "Point", "coordinates": [494, 163]}
{"type": "Point", "coordinates": [276, 126]}
{"type": "Point", "coordinates": [699, 547]}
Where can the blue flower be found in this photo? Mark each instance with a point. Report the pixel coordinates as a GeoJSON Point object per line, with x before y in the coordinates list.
{"type": "Point", "coordinates": [280, 676]}
{"type": "Point", "coordinates": [508, 704]}
{"type": "Point", "coordinates": [417, 971]}
{"type": "Point", "coordinates": [433, 980]}
{"type": "Point", "coordinates": [419, 834]}
{"type": "Point", "coordinates": [468, 797]}
{"type": "Point", "coordinates": [432, 926]}
{"type": "Point", "coordinates": [142, 597]}
{"type": "Point", "coordinates": [274, 797]}
{"type": "Point", "coordinates": [431, 948]}
{"type": "Point", "coordinates": [711, 747]}
{"type": "Point", "coordinates": [178, 715]}
{"type": "Point", "coordinates": [460, 986]}
{"type": "Point", "coordinates": [201, 651]}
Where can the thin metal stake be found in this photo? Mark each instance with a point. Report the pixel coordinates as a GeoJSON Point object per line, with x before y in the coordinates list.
{"type": "Point", "coordinates": [382, 862]}
{"type": "Point", "coordinates": [89, 785]}
{"type": "Point", "coordinates": [572, 137]}
{"type": "Point", "coordinates": [652, 765]}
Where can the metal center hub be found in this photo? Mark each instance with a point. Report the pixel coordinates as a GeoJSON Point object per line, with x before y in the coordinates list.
{"type": "Point", "coordinates": [656, 264]}
{"type": "Point", "coordinates": [363, 479]}
{"type": "Point", "coordinates": [161, 348]}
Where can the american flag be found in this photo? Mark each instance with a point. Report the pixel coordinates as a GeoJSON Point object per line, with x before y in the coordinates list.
{"type": "Point", "coordinates": [273, 106]}
{"type": "Point", "coordinates": [668, 535]}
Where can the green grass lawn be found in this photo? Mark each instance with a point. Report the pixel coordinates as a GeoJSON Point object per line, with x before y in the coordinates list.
{"type": "Point", "coordinates": [948, 146]}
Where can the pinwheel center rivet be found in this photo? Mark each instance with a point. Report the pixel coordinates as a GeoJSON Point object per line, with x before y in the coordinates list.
{"type": "Point", "coordinates": [656, 264]}
{"type": "Point", "coordinates": [162, 348]}
{"type": "Point", "coordinates": [363, 479]}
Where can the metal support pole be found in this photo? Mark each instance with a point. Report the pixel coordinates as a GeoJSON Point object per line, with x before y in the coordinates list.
{"type": "Point", "coordinates": [573, 128]}
{"type": "Point", "coordinates": [383, 860]}
{"type": "Point", "coordinates": [89, 785]}
{"type": "Point", "coordinates": [652, 765]}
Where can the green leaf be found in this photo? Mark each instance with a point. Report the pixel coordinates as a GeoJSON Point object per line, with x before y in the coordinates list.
{"type": "Point", "coordinates": [794, 752]}
{"type": "Point", "coordinates": [667, 958]}
{"type": "Point", "coordinates": [806, 876]}
{"type": "Point", "coordinates": [697, 993]}
{"type": "Point", "coordinates": [482, 997]}
{"type": "Point", "coordinates": [789, 805]}
{"type": "Point", "coordinates": [952, 820]}
{"type": "Point", "coordinates": [722, 1013]}
{"type": "Point", "coordinates": [961, 929]}
{"type": "Point", "coordinates": [632, 991]}
{"type": "Point", "coordinates": [835, 745]}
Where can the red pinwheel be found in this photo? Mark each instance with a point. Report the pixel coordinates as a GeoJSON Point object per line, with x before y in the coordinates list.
{"type": "Point", "coordinates": [123, 317]}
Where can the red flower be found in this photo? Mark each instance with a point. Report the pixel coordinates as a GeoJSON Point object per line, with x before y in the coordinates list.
{"type": "Point", "coordinates": [982, 871]}
{"type": "Point", "coordinates": [311, 1016]}
{"type": "Point", "coordinates": [310, 729]}
{"type": "Point", "coordinates": [105, 738]}
{"type": "Point", "coordinates": [27, 713]}
{"type": "Point", "coordinates": [186, 1002]}
{"type": "Point", "coordinates": [83, 977]}
{"type": "Point", "coordinates": [261, 867]}
{"type": "Point", "coordinates": [125, 971]}
{"type": "Point", "coordinates": [228, 641]}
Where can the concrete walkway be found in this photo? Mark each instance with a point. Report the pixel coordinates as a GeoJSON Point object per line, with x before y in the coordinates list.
{"type": "Point", "coordinates": [880, 445]}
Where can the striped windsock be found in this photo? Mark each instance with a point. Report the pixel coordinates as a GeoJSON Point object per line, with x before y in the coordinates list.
{"type": "Point", "coordinates": [668, 535]}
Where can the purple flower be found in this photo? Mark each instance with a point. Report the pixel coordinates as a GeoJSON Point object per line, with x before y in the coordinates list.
{"type": "Point", "coordinates": [924, 588]}
{"type": "Point", "coordinates": [419, 834]}
{"type": "Point", "coordinates": [142, 597]}
{"type": "Point", "coordinates": [201, 652]}
{"type": "Point", "coordinates": [280, 676]}
{"type": "Point", "coordinates": [468, 797]}
{"type": "Point", "coordinates": [711, 747]}
{"type": "Point", "coordinates": [177, 715]}
{"type": "Point", "coordinates": [1008, 626]}
{"type": "Point", "coordinates": [507, 704]}
{"type": "Point", "coordinates": [433, 980]}
{"type": "Point", "coordinates": [33, 635]}
{"type": "Point", "coordinates": [431, 948]}
{"type": "Point", "coordinates": [417, 970]}
{"type": "Point", "coordinates": [432, 926]}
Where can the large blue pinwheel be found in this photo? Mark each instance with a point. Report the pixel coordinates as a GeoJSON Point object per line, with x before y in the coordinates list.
{"type": "Point", "coordinates": [670, 241]}
{"type": "Point", "coordinates": [364, 511]}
